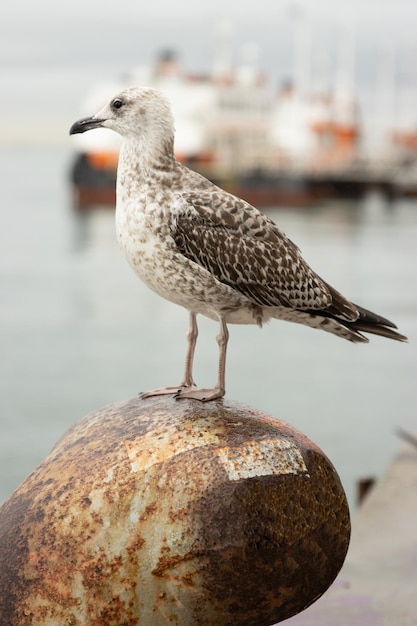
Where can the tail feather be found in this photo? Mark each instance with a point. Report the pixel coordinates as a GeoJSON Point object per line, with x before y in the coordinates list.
{"type": "Point", "coordinates": [369, 322]}
{"type": "Point", "coordinates": [373, 318]}
{"type": "Point", "coordinates": [335, 320]}
{"type": "Point", "coordinates": [382, 331]}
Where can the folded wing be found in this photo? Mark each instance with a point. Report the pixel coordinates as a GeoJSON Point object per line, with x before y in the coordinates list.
{"type": "Point", "coordinates": [244, 249]}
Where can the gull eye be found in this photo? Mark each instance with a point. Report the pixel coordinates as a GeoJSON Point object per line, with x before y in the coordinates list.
{"type": "Point", "coordinates": [117, 103]}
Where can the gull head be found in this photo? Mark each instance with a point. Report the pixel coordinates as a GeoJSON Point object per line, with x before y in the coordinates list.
{"type": "Point", "coordinates": [141, 113]}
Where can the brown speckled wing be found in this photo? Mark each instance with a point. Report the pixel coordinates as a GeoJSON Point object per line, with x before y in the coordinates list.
{"type": "Point", "coordinates": [246, 250]}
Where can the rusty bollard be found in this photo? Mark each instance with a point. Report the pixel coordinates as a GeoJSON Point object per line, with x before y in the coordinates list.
{"type": "Point", "coordinates": [155, 512]}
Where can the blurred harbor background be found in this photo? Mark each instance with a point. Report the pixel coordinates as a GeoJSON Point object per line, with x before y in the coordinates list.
{"type": "Point", "coordinates": [78, 330]}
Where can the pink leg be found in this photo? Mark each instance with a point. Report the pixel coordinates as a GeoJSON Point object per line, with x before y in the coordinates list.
{"type": "Point", "coordinates": [192, 335]}
{"type": "Point", "coordinates": [188, 381]}
{"type": "Point", "coordinates": [205, 395]}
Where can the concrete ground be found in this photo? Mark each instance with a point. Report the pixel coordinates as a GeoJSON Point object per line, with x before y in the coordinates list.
{"type": "Point", "coordinates": [377, 585]}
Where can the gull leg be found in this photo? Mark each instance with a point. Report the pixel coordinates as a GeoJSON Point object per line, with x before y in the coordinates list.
{"type": "Point", "coordinates": [205, 395]}
{"type": "Point", "coordinates": [192, 334]}
{"type": "Point", "coordinates": [222, 340]}
{"type": "Point", "coordinates": [188, 381]}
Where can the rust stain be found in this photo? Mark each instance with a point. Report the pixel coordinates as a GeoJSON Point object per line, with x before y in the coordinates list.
{"type": "Point", "coordinates": [149, 510]}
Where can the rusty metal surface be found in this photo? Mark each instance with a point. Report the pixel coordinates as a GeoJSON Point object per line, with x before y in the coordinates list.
{"type": "Point", "coordinates": [161, 512]}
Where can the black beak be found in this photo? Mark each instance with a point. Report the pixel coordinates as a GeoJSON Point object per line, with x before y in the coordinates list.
{"type": "Point", "coordinates": [87, 123]}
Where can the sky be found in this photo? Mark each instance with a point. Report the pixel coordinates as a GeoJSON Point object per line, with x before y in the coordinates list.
{"type": "Point", "coordinates": [52, 53]}
{"type": "Point", "coordinates": [29, 30]}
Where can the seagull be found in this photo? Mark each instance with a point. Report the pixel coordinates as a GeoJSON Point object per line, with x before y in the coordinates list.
{"type": "Point", "coordinates": [207, 250]}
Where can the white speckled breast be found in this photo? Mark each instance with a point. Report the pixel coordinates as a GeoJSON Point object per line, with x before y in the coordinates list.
{"type": "Point", "coordinates": [143, 230]}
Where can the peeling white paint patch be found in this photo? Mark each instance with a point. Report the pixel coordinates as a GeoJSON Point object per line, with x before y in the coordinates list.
{"type": "Point", "coordinates": [261, 458]}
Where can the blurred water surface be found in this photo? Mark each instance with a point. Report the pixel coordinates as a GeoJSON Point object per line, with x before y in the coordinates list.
{"type": "Point", "coordinates": [79, 330]}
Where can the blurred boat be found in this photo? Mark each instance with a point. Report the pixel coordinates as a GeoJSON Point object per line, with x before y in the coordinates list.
{"type": "Point", "coordinates": [271, 148]}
